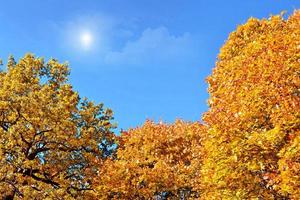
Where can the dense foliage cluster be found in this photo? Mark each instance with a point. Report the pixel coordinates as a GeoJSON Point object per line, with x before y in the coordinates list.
{"type": "Point", "coordinates": [254, 114]}
{"type": "Point", "coordinates": [53, 145]}
{"type": "Point", "coordinates": [51, 142]}
{"type": "Point", "coordinates": [155, 161]}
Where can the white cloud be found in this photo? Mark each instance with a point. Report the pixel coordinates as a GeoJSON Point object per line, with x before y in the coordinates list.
{"type": "Point", "coordinates": [154, 47]}
{"type": "Point", "coordinates": [116, 43]}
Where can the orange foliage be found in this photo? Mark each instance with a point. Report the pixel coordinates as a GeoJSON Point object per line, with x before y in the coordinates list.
{"type": "Point", "coordinates": [254, 114]}
{"type": "Point", "coordinates": [155, 160]}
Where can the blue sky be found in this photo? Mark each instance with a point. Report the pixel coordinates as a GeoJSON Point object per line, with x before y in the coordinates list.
{"type": "Point", "coordinates": [146, 58]}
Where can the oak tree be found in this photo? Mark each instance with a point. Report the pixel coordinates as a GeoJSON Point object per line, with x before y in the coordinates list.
{"type": "Point", "coordinates": [51, 141]}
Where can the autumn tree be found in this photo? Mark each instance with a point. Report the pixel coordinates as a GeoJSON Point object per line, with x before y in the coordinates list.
{"type": "Point", "coordinates": [155, 161]}
{"type": "Point", "coordinates": [254, 115]}
{"type": "Point", "coordinates": [51, 141]}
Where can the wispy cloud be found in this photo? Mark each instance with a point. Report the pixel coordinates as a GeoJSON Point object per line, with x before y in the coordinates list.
{"type": "Point", "coordinates": [154, 47]}
{"type": "Point", "coordinates": [118, 43]}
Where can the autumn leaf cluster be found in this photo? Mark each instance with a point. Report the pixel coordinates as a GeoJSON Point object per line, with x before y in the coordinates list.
{"type": "Point", "coordinates": [51, 141]}
{"type": "Point", "coordinates": [254, 114]}
{"type": "Point", "coordinates": [56, 145]}
{"type": "Point", "coordinates": [155, 161]}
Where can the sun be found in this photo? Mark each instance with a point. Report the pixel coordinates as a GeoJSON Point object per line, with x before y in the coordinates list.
{"type": "Point", "coordinates": [86, 39]}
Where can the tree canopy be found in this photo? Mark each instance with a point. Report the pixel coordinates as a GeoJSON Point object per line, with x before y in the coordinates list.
{"type": "Point", "coordinates": [51, 141]}
{"type": "Point", "coordinates": [254, 114]}
{"type": "Point", "coordinates": [155, 161]}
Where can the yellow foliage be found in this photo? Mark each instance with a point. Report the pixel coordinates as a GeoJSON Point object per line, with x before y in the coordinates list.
{"type": "Point", "coordinates": [49, 138]}
{"type": "Point", "coordinates": [254, 116]}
